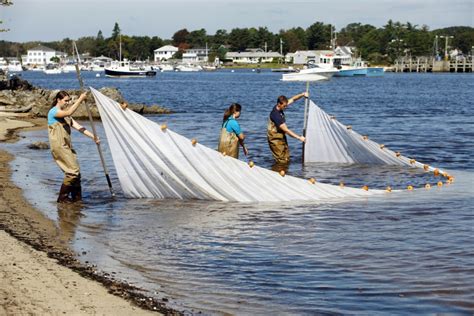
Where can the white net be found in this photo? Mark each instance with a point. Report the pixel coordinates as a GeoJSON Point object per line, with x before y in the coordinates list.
{"type": "Point", "coordinates": [328, 140]}
{"type": "Point", "coordinates": [155, 162]}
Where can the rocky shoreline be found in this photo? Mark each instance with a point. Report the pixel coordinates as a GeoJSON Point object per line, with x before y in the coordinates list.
{"type": "Point", "coordinates": [19, 96]}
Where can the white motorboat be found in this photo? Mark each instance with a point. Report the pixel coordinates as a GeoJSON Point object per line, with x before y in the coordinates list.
{"type": "Point", "coordinates": [188, 68]}
{"type": "Point", "coordinates": [52, 71]}
{"type": "Point", "coordinates": [312, 73]}
{"type": "Point", "coordinates": [166, 67]}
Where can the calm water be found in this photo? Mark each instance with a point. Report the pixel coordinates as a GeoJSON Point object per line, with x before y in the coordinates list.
{"type": "Point", "coordinates": [411, 252]}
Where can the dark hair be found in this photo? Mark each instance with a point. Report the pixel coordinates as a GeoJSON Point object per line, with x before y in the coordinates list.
{"type": "Point", "coordinates": [282, 99]}
{"type": "Point", "coordinates": [234, 107]}
{"type": "Point", "coordinates": [59, 96]}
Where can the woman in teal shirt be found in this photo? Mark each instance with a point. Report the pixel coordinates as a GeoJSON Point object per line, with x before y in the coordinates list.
{"type": "Point", "coordinates": [60, 123]}
{"type": "Point", "coordinates": [231, 134]}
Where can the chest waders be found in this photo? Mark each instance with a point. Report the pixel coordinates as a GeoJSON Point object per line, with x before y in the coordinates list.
{"type": "Point", "coordinates": [59, 135]}
{"type": "Point", "coordinates": [228, 142]}
{"type": "Point", "coordinates": [278, 143]}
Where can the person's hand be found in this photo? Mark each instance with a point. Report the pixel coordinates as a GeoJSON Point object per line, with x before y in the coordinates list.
{"type": "Point", "coordinates": [97, 140]}
{"type": "Point", "coordinates": [124, 105]}
{"type": "Point", "coordinates": [83, 96]}
{"type": "Point", "coordinates": [246, 151]}
{"type": "Point", "coordinates": [306, 94]}
{"type": "Point", "coordinates": [302, 139]}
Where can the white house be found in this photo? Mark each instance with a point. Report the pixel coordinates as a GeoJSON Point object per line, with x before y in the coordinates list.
{"type": "Point", "coordinates": [196, 55]}
{"type": "Point", "coordinates": [165, 52]}
{"type": "Point", "coordinates": [253, 56]}
{"type": "Point", "coordinates": [41, 55]}
{"type": "Point", "coordinates": [301, 57]}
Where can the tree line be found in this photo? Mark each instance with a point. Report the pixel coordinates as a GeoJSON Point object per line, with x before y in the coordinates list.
{"type": "Point", "coordinates": [377, 45]}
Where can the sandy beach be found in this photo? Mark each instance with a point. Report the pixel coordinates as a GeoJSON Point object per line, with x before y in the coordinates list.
{"type": "Point", "coordinates": [39, 273]}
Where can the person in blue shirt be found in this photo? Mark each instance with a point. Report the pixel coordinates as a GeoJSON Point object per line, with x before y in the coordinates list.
{"type": "Point", "coordinates": [59, 134]}
{"type": "Point", "coordinates": [231, 135]}
{"type": "Point", "coordinates": [277, 130]}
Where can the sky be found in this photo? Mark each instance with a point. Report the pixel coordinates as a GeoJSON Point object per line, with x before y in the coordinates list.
{"type": "Point", "coordinates": [51, 20]}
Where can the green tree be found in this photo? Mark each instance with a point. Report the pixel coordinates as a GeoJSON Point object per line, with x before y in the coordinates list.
{"type": "Point", "coordinates": [239, 39]}
{"type": "Point", "coordinates": [197, 39]}
{"type": "Point", "coordinates": [115, 31]}
{"type": "Point", "coordinates": [319, 36]}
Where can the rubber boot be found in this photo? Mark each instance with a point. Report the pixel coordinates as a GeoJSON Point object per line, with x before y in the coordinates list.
{"type": "Point", "coordinates": [76, 193]}
{"type": "Point", "coordinates": [64, 194]}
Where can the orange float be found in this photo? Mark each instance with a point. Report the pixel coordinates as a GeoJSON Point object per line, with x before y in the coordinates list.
{"type": "Point", "coordinates": [312, 180]}
{"type": "Point", "coordinates": [194, 141]}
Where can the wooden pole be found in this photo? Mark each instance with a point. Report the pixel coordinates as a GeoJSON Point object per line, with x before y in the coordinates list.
{"type": "Point", "coordinates": [305, 123]}
{"type": "Point", "coordinates": [101, 155]}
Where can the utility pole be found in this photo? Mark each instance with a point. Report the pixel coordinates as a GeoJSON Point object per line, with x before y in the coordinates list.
{"type": "Point", "coordinates": [446, 45]}
{"type": "Point", "coordinates": [281, 47]}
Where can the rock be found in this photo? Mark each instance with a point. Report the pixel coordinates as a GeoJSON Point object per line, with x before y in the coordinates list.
{"type": "Point", "coordinates": [26, 98]}
{"type": "Point", "coordinates": [38, 145]}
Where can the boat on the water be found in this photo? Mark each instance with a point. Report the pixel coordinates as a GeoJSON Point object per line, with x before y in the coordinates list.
{"type": "Point", "coordinates": [285, 69]}
{"type": "Point", "coordinates": [188, 68]}
{"type": "Point", "coordinates": [313, 72]}
{"type": "Point", "coordinates": [375, 71]}
{"type": "Point", "coordinates": [124, 69]}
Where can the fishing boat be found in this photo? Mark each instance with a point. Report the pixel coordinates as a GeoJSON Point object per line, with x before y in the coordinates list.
{"type": "Point", "coordinates": [313, 72]}
{"type": "Point", "coordinates": [124, 69]}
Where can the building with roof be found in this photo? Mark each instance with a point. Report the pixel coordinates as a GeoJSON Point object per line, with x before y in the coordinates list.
{"type": "Point", "coordinates": [41, 55]}
{"type": "Point", "coordinates": [253, 56]}
{"type": "Point", "coordinates": [164, 53]}
{"type": "Point", "coordinates": [196, 55]}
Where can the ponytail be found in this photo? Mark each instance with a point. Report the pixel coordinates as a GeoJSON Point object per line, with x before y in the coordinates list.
{"type": "Point", "coordinates": [59, 96]}
{"type": "Point", "coordinates": [234, 107]}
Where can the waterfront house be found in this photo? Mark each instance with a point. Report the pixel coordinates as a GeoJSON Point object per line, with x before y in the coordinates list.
{"type": "Point", "coordinates": [165, 52]}
{"type": "Point", "coordinates": [41, 55]}
{"type": "Point", "coordinates": [196, 55]}
{"type": "Point", "coordinates": [253, 56]}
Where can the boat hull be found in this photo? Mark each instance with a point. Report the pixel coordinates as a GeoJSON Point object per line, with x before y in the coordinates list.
{"type": "Point", "coordinates": [352, 72]}
{"type": "Point", "coordinates": [308, 76]}
{"type": "Point", "coordinates": [375, 71]}
{"type": "Point", "coordinates": [131, 73]}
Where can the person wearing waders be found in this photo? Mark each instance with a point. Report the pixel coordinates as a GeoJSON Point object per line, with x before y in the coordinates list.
{"type": "Point", "coordinates": [59, 134]}
{"type": "Point", "coordinates": [231, 134]}
{"type": "Point", "coordinates": [277, 131]}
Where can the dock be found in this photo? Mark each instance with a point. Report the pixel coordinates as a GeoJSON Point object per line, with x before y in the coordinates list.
{"type": "Point", "coordinates": [430, 64]}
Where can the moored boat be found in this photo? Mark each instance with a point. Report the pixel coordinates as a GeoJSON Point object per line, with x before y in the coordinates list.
{"type": "Point", "coordinates": [124, 69]}
{"type": "Point", "coordinates": [312, 73]}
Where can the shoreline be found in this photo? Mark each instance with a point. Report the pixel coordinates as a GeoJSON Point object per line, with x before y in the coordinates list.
{"type": "Point", "coordinates": [45, 271]}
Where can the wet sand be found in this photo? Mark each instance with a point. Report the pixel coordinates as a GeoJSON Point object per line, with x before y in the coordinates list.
{"type": "Point", "coordinates": [40, 274]}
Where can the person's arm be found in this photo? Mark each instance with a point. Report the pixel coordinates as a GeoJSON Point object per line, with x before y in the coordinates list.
{"type": "Point", "coordinates": [241, 138]}
{"type": "Point", "coordinates": [84, 131]}
{"type": "Point", "coordinates": [72, 109]}
{"type": "Point", "coordinates": [288, 131]}
{"type": "Point", "coordinates": [297, 97]}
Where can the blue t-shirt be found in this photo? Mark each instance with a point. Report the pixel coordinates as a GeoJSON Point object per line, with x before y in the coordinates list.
{"type": "Point", "coordinates": [277, 117]}
{"type": "Point", "coordinates": [232, 126]}
{"type": "Point", "coordinates": [51, 116]}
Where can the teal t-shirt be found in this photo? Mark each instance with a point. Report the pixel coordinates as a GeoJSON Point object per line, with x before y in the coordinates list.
{"type": "Point", "coordinates": [51, 116]}
{"type": "Point", "coordinates": [232, 126]}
